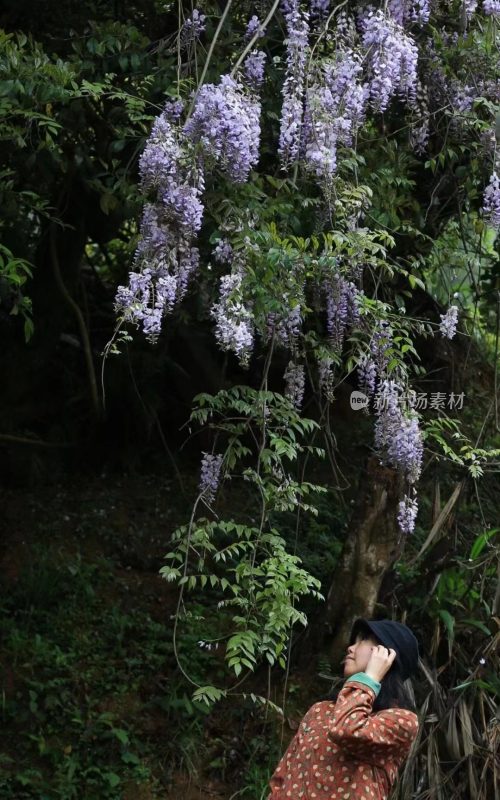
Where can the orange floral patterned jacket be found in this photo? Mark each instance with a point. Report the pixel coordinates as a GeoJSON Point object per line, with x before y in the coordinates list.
{"type": "Point", "coordinates": [344, 751]}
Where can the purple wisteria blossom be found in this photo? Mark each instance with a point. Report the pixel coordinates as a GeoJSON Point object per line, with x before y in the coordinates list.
{"type": "Point", "coordinates": [320, 8]}
{"type": "Point", "coordinates": [165, 257]}
{"type": "Point", "coordinates": [253, 69]}
{"type": "Point", "coordinates": [406, 11]}
{"type": "Point", "coordinates": [297, 25]}
{"type": "Point", "coordinates": [325, 375]}
{"type": "Point", "coordinates": [397, 435]}
{"type": "Point", "coordinates": [226, 122]}
{"type": "Point", "coordinates": [448, 324]}
{"type": "Point", "coordinates": [469, 7]}
{"type": "Point", "coordinates": [252, 28]}
{"type": "Point", "coordinates": [392, 57]}
{"type": "Point", "coordinates": [491, 201]}
{"type": "Point", "coordinates": [342, 308]}
{"type": "Point", "coordinates": [491, 8]}
{"type": "Point", "coordinates": [334, 109]}
{"type": "Point", "coordinates": [381, 344]}
{"type": "Point", "coordinates": [234, 325]}
{"type": "Point", "coordinates": [161, 157]}
{"type": "Point", "coordinates": [295, 383]}
{"type": "Point", "coordinates": [223, 252]}
{"type": "Point", "coordinates": [407, 514]}
{"type": "Point", "coordinates": [210, 475]}
{"type": "Point", "coordinates": [405, 448]}
{"type": "Point", "coordinates": [367, 375]}
{"type": "Point", "coordinates": [420, 129]}
{"type": "Point", "coordinates": [173, 110]}
{"type": "Point", "coordinates": [192, 28]}
{"type": "Point", "coordinates": [285, 326]}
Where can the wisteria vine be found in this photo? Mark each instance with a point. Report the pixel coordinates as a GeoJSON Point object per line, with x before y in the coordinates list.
{"type": "Point", "coordinates": [325, 102]}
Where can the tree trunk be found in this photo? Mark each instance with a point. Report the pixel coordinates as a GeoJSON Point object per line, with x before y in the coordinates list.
{"type": "Point", "coordinates": [372, 545]}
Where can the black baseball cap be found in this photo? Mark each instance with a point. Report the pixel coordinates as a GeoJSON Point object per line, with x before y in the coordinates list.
{"type": "Point", "coordinates": [395, 635]}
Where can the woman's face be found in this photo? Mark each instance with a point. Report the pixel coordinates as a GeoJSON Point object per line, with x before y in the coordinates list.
{"type": "Point", "coordinates": [358, 654]}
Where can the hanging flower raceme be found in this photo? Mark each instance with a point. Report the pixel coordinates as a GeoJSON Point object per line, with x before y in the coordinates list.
{"type": "Point", "coordinates": [192, 28]}
{"type": "Point", "coordinates": [392, 57]}
{"type": "Point", "coordinates": [320, 8]}
{"type": "Point", "coordinates": [293, 87]}
{"type": "Point", "coordinates": [253, 69]}
{"type": "Point", "coordinates": [367, 375]}
{"type": "Point", "coordinates": [334, 109]}
{"type": "Point", "coordinates": [491, 8]}
{"type": "Point", "coordinates": [253, 66]}
{"type": "Point", "coordinates": [342, 308]}
{"type": "Point", "coordinates": [491, 202]}
{"type": "Point", "coordinates": [253, 27]}
{"type": "Point", "coordinates": [223, 252]}
{"type": "Point", "coordinates": [165, 257]}
{"type": "Point", "coordinates": [420, 130]}
{"type": "Point", "coordinates": [374, 364]}
{"type": "Point", "coordinates": [448, 324]}
{"type": "Point", "coordinates": [226, 123]}
{"type": "Point", "coordinates": [407, 514]}
{"type": "Point", "coordinates": [285, 326]}
{"type": "Point", "coordinates": [325, 377]}
{"type": "Point", "coordinates": [407, 11]}
{"type": "Point", "coordinates": [234, 324]}
{"type": "Point", "coordinates": [210, 475]}
{"type": "Point", "coordinates": [295, 383]}
{"type": "Point", "coordinates": [469, 7]}
{"type": "Point", "coordinates": [397, 435]}
{"type": "Point", "coordinates": [381, 344]}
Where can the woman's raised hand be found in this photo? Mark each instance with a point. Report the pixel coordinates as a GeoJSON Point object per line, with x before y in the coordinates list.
{"type": "Point", "coordinates": [380, 662]}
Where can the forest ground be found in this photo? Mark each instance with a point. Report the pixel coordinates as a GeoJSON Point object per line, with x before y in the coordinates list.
{"type": "Point", "coordinates": [93, 704]}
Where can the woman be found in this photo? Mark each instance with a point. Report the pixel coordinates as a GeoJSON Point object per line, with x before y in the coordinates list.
{"type": "Point", "coordinates": [353, 747]}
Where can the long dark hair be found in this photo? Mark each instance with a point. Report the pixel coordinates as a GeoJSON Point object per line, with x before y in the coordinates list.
{"type": "Point", "coordinates": [394, 692]}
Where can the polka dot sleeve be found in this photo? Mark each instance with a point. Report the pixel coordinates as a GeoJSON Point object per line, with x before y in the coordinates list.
{"type": "Point", "coordinates": [368, 736]}
{"type": "Point", "coordinates": [278, 777]}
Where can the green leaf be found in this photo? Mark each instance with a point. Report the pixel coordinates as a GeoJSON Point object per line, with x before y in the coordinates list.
{"type": "Point", "coordinates": [481, 542]}
{"type": "Point", "coordinates": [449, 621]}
{"type": "Point", "coordinates": [112, 778]}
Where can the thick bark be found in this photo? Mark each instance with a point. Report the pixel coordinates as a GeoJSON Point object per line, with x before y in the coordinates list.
{"type": "Point", "coordinates": [372, 545]}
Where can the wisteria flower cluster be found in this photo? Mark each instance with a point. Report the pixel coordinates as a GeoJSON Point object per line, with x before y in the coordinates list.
{"type": "Point", "coordinates": [420, 130]}
{"type": "Point", "coordinates": [210, 475]}
{"type": "Point", "coordinates": [491, 201]}
{"type": "Point", "coordinates": [165, 257]}
{"type": "Point", "coordinates": [407, 514]}
{"type": "Point", "coordinates": [234, 324]}
{"type": "Point", "coordinates": [448, 324]}
{"type": "Point", "coordinates": [334, 109]}
{"type": "Point", "coordinates": [392, 58]}
{"type": "Point", "coordinates": [253, 27]}
{"type": "Point", "coordinates": [223, 252]}
{"type": "Point", "coordinates": [286, 326]}
{"type": "Point", "coordinates": [373, 366]}
{"type": "Point", "coordinates": [253, 69]}
{"type": "Point", "coordinates": [367, 376]}
{"type": "Point", "coordinates": [398, 439]}
{"type": "Point", "coordinates": [192, 28]}
{"type": "Point", "coordinates": [320, 8]}
{"type": "Point", "coordinates": [297, 24]}
{"type": "Point", "coordinates": [469, 7]}
{"type": "Point", "coordinates": [326, 377]}
{"type": "Point", "coordinates": [342, 308]}
{"type": "Point", "coordinates": [226, 122]}
{"type": "Point", "coordinates": [491, 8]}
{"type": "Point", "coordinates": [406, 11]}
{"type": "Point", "coordinates": [295, 383]}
